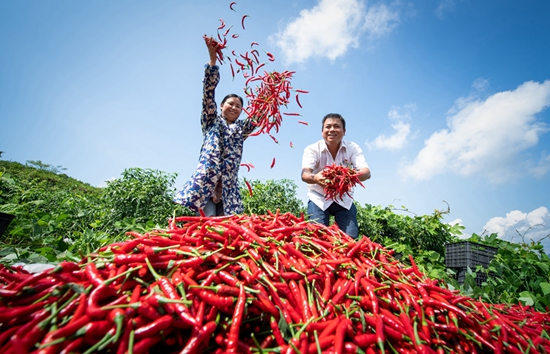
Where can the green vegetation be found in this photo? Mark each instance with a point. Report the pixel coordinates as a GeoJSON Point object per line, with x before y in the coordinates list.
{"type": "Point", "coordinates": [58, 217]}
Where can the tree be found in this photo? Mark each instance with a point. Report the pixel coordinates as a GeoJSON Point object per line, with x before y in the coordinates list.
{"type": "Point", "coordinates": [46, 167]}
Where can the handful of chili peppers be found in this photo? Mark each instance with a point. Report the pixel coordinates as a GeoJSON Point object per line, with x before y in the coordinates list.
{"type": "Point", "coordinates": [340, 181]}
{"type": "Point", "coordinates": [252, 284]}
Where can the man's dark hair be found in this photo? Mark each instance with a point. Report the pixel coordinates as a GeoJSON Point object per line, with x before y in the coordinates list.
{"type": "Point", "coordinates": [335, 116]}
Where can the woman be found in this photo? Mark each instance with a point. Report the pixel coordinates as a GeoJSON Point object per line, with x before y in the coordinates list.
{"type": "Point", "coordinates": [214, 186]}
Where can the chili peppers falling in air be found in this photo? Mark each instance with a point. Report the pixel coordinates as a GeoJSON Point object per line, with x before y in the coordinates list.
{"type": "Point", "coordinates": [273, 89]}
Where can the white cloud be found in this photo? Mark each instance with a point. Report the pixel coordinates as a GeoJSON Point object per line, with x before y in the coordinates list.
{"type": "Point", "coordinates": [397, 140]}
{"type": "Point", "coordinates": [518, 226]}
{"type": "Point", "coordinates": [331, 27]}
{"type": "Point", "coordinates": [455, 222]}
{"type": "Point", "coordinates": [542, 167]}
{"type": "Point", "coordinates": [444, 7]}
{"type": "Point", "coordinates": [487, 137]}
{"type": "Point", "coordinates": [104, 184]}
{"type": "Point", "coordinates": [380, 20]}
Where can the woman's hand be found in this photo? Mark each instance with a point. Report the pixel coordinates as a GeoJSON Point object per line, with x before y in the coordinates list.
{"type": "Point", "coordinates": [212, 46]}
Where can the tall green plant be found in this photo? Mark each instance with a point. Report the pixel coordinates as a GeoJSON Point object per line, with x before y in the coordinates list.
{"type": "Point", "coordinates": [271, 195]}
{"type": "Point", "coordinates": [139, 196]}
{"type": "Point", "coordinates": [417, 233]}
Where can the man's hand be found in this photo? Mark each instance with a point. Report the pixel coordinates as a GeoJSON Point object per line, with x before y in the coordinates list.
{"type": "Point", "coordinates": [313, 178]}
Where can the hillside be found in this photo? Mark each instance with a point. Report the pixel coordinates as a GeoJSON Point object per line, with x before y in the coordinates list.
{"type": "Point", "coordinates": [28, 174]}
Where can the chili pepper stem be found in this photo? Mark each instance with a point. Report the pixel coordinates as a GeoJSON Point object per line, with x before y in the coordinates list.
{"type": "Point", "coordinates": [131, 342]}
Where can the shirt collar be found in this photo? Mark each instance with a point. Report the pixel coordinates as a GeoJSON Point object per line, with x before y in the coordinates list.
{"type": "Point", "coordinates": [342, 145]}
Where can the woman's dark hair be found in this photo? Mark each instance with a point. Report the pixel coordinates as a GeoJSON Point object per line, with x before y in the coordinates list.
{"type": "Point", "coordinates": [334, 116]}
{"type": "Point", "coordinates": [233, 95]}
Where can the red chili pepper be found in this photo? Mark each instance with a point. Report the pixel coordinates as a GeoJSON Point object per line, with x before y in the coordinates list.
{"type": "Point", "coordinates": [356, 247]}
{"type": "Point", "coordinates": [380, 338]}
{"type": "Point", "coordinates": [93, 274]}
{"type": "Point", "coordinates": [238, 314]}
{"type": "Point", "coordinates": [145, 344]}
{"type": "Point", "coordinates": [154, 328]}
{"type": "Point", "coordinates": [198, 338]}
{"type": "Point", "coordinates": [272, 163]}
{"type": "Point", "coordinates": [256, 71]}
{"type": "Point", "coordinates": [73, 346]}
{"type": "Point", "coordinates": [70, 329]}
{"type": "Point", "coordinates": [365, 340]}
{"type": "Point", "coordinates": [98, 295]}
{"type": "Point", "coordinates": [325, 342]}
{"type": "Point", "coordinates": [340, 335]}
{"type": "Point", "coordinates": [276, 331]}
{"type": "Point", "coordinates": [274, 139]}
{"type": "Point", "coordinates": [342, 292]}
{"type": "Point", "coordinates": [249, 188]}
{"type": "Point", "coordinates": [171, 293]}
{"type": "Point", "coordinates": [242, 20]}
{"type": "Point", "coordinates": [298, 101]}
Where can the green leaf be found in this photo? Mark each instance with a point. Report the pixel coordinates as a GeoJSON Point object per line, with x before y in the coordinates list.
{"type": "Point", "coordinates": [44, 253]}
{"type": "Point", "coordinates": [526, 298]}
{"type": "Point", "coordinates": [545, 287]}
{"type": "Point", "coordinates": [9, 257]}
{"type": "Point", "coordinates": [6, 251]}
{"type": "Point", "coordinates": [37, 258]}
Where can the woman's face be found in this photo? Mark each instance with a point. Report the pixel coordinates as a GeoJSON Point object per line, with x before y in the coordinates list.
{"type": "Point", "coordinates": [231, 109]}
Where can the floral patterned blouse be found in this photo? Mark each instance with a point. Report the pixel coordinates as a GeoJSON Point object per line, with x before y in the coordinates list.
{"type": "Point", "coordinates": [220, 155]}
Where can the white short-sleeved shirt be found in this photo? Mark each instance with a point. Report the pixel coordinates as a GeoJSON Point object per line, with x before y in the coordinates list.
{"type": "Point", "coordinates": [317, 156]}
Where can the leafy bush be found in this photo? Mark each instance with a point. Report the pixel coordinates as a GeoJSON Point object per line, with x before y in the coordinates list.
{"type": "Point", "coordinates": [411, 235]}
{"type": "Point", "coordinates": [518, 272]}
{"type": "Point", "coordinates": [140, 196]}
{"type": "Point", "coordinates": [271, 195]}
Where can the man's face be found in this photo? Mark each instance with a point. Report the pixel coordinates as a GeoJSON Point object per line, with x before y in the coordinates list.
{"type": "Point", "coordinates": [333, 131]}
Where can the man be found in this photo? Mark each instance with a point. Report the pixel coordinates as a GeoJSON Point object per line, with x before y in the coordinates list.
{"type": "Point", "coordinates": [332, 149]}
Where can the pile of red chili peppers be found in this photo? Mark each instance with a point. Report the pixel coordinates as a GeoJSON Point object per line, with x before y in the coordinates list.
{"type": "Point", "coordinates": [340, 180]}
{"type": "Point", "coordinates": [252, 284]}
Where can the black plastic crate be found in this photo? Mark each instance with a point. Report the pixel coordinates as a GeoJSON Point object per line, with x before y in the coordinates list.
{"type": "Point", "coordinates": [5, 220]}
{"type": "Point", "coordinates": [480, 277]}
{"type": "Point", "coordinates": [468, 254]}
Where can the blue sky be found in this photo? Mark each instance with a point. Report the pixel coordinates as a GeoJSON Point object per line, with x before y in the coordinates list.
{"type": "Point", "coordinates": [449, 99]}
